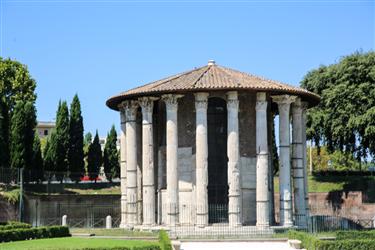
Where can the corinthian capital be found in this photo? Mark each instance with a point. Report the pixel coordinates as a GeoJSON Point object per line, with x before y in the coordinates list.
{"type": "Point", "coordinates": [283, 102]}
{"type": "Point", "coordinates": [122, 109]}
{"type": "Point", "coordinates": [147, 104]}
{"type": "Point", "coordinates": [297, 106]}
{"type": "Point", "coordinates": [261, 103]}
{"type": "Point", "coordinates": [232, 100]}
{"type": "Point", "coordinates": [201, 100]}
{"type": "Point", "coordinates": [283, 99]}
{"type": "Point", "coordinates": [131, 110]}
{"type": "Point", "coordinates": [171, 100]}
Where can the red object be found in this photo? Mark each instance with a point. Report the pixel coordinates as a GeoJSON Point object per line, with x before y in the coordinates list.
{"type": "Point", "coordinates": [87, 178]}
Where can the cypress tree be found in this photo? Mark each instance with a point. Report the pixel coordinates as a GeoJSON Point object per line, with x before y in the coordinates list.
{"type": "Point", "coordinates": [49, 155]}
{"type": "Point", "coordinates": [75, 153]}
{"type": "Point", "coordinates": [30, 118]}
{"type": "Point", "coordinates": [18, 151]}
{"type": "Point", "coordinates": [45, 152]}
{"type": "Point", "coordinates": [111, 157]}
{"type": "Point", "coordinates": [94, 158]}
{"type": "Point", "coordinates": [22, 133]}
{"type": "Point", "coordinates": [62, 140]}
{"type": "Point", "coordinates": [37, 160]}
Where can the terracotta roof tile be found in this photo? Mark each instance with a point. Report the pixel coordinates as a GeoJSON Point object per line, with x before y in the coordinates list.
{"type": "Point", "coordinates": [210, 77]}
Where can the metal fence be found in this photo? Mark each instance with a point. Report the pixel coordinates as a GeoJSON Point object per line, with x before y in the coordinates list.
{"type": "Point", "coordinates": [90, 215]}
{"type": "Point", "coordinates": [9, 176]}
{"type": "Point", "coordinates": [94, 216]}
{"type": "Point", "coordinates": [12, 176]}
{"type": "Point", "coordinates": [78, 215]}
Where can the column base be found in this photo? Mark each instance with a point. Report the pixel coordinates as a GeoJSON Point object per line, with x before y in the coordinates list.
{"type": "Point", "coordinates": [263, 225]}
{"type": "Point", "coordinates": [287, 224]}
{"type": "Point", "coordinates": [127, 227]}
{"type": "Point", "coordinates": [201, 225]}
{"type": "Point", "coordinates": [235, 224]}
{"type": "Point", "coordinates": [122, 225]}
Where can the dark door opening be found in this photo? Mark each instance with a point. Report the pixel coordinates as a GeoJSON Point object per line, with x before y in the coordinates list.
{"type": "Point", "coordinates": [217, 161]}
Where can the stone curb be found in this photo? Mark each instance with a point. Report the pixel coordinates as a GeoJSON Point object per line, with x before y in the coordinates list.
{"type": "Point", "coordinates": [295, 244]}
{"type": "Point", "coordinates": [176, 244]}
{"type": "Point", "coordinates": [237, 240]}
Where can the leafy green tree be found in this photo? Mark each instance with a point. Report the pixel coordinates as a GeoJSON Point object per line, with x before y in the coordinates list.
{"type": "Point", "coordinates": [86, 143]}
{"type": "Point", "coordinates": [111, 157]}
{"type": "Point", "coordinates": [22, 134]}
{"type": "Point", "coordinates": [76, 154]}
{"type": "Point", "coordinates": [43, 142]}
{"type": "Point", "coordinates": [340, 161]}
{"type": "Point", "coordinates": [16, 84]}
{"type": "Point", "coordinates": [37, 160]}
{"type": "Point", "coordinates": [94, 158]}
{"type": "Point", "coordinates": [344, 120]}
{"type": "Point", "coordinates": [62, 140]}
{"type": "Point", "coordinates": [4, 135]}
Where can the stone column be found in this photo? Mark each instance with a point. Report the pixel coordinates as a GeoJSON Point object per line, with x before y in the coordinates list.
{"type": "Point", "coordinates": [262, 194]}
{"type": "Point", "coordinates": [160, 185]}
{"type": "Point", "coordinates": [172, 159]}
{"type": "Point", "coordinates": [286, 211]}
{"type": "Point", "coordinates": [304, 109]}
{"type": "Point", "coordinates": [234, 181]}
{"type": "Point", "coordinates": [147, 105]}
{"type": "Point", "coordinates": [139, 168]}
{"type": "Point", "coordinates": [131, 160]}
{"type": "Point", "coordinates": [201, 159]}
{"type": "Point", "coordinates": [122, 108]}
{"type": "Point", "coordinates": [297, 164]}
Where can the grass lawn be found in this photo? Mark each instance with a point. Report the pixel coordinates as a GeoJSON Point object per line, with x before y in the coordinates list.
{"type": "Point", "coordinates": [319, 184]}
{"type": "Point", "coordinates": [107, 190]}
{"type": "Point", "coordinates": [112, 232]}
{"type": "Point", "coordinates": [69, 242]}
{"type": "Point", "coordinates": [99, 188]}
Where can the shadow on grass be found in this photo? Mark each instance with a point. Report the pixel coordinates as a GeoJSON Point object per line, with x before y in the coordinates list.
{"type": "Point", "coordinates": [364, 184]}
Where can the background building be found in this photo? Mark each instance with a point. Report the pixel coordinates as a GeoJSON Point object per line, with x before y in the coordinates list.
{"type": "Point", "coordinates": [44, 128]}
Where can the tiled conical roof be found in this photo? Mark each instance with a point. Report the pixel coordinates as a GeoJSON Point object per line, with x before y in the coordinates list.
{"type": "Point", "coordinates": [209, 78]}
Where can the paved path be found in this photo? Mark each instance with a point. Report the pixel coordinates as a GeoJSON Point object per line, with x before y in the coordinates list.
{"type": "Point", "coordinates": [235, 245]}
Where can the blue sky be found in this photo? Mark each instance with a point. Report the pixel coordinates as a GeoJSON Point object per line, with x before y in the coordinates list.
{"type": "Point", "coordinates": [100, 48]}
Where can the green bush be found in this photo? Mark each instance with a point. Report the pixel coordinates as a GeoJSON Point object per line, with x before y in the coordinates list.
{"type": "Point", "coordinates": [345, 245]}
{"type": "Point", "coordinates": [165, 242]}
{"type": "Point", "coordinates": [33, 233]}
{"type": "Point", "coordinates": [14, 225]}
{"type": "Point", "coordinates": [151, 247]}
{"type": "Point", "coordinates": [311, 242]}
{"type": "Point", "coordinates": [346, 235]}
